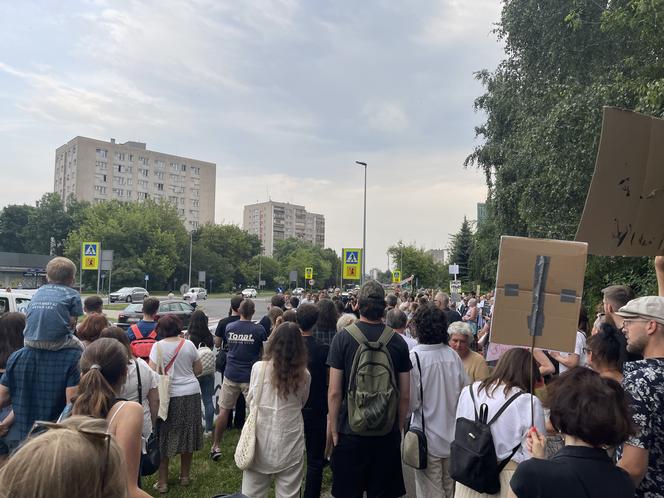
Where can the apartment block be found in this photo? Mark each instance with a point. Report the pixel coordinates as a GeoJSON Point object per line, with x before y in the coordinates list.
{"type": "Point", "coordinates": [273, 221]}
{"type": "Point", "coordinates": [97, 171]}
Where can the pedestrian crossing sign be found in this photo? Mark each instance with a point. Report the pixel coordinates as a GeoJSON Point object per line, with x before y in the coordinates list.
{"type": "Point", "coordinates": [396, 277]}
{"type": "Point", "coordinates": [90, 255]}
{"type": "Point", "coordinates": [308, 273]}
{"type": "Point", "coordinates": [352, 264]}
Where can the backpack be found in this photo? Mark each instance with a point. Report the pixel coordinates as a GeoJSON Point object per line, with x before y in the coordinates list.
{"type": "Point", "coordinates": [373, 394]}
{"type": "Point", "coordinates": [142, 345]}
{"type": "Point", "coordinates": [473, 460]}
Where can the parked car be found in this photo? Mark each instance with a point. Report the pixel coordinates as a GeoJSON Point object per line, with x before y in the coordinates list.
{"type": "Point", "coordinates": [298, 291]}
{"type": "Point", "coordinates": [132, 313]}
{"type": "Point", "coordinates": [249, 292]}
{"type": "Point", "coordinates": [13, 301]}
{"type": "Point", "coordinates": [129, 295]}
{"type": "Point", "coordinates": [200, 293]}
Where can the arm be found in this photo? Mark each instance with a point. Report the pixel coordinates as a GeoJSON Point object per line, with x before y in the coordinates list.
{"type": "Point", "coordinates": [6, 424]}
{"type": "Point", "coordinates": [545, 365]}
{"type": "Point", "coordinates": [153, 402]}
{"type": "Point", "coordinates": [635, 461]}
{"type": "Point", "coordinates": [404, 397]}
{"type": "Point", "coordinates": [217, 342]}
{"type": "Point", "coordinates": [198, 368]}
{"type": "Point", "coordinates": [5, 396]}
{"type": "Point", "coordinates": [570, 361]}
{"type": "Point", "coordinates": [128, 436]}
{"type": "Point", "coordinates": [334, 397]}
{"type": "Point", "coordinates": [659, 271]}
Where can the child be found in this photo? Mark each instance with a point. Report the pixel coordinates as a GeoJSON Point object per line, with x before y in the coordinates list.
{"type": "Point", "coordinates": [54, 309]}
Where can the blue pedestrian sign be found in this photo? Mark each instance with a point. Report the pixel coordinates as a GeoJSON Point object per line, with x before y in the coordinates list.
{"type": "Point", "coordinates": [90, 250]}
{"type": "Point", "coordinates": [352, 257]}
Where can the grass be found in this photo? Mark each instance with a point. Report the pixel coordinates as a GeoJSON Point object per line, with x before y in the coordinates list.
{"type": "Point", "coordinates": [212, 478]}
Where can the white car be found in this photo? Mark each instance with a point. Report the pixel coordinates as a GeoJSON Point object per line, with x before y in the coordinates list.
{"type": "Point", "coordinates": [14, 301]}
{"type": "Point", "coordinates": [298, 291]}
{"type": "Point", "coordinates": [200, 293]}
{"type": "Point", "coordinates": [249, 292]}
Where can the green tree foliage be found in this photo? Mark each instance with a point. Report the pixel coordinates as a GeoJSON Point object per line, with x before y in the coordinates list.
{"type": "Point", "coordinates": [296, 255]}
{"type": "Point", "coordinates": [13, 220]}
{"type": "Point", "coordinates": [462, 249]}
{"type": "Point", "coordinates": [418, 262]}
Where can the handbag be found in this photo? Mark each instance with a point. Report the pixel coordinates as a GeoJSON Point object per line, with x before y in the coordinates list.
{"type": "Point", "coordinates": [414, 446]}
{"type": "Point", "coordinates": [151, 459]}
{"type": "Point", "coordinates": [246, 445]}
{"type": "Point", "coordinates": [165, 380]}
{"type": "Point", "coordinates": [208, 360]}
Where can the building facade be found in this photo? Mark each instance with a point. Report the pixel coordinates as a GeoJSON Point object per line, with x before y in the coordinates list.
{"type": "Point", "coordinates": [97, 171]}
{"type": "Point", "coordinates": [272, 221]}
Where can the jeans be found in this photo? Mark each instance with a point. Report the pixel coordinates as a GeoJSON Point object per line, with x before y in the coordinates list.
{"type": "Point", "coordinates": [315, 435]}
{"type": "Point", "coordinates": [207, 391]}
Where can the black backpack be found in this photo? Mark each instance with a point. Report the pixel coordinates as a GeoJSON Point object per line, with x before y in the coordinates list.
{"type": "Point", "coordinates": [473, 460]}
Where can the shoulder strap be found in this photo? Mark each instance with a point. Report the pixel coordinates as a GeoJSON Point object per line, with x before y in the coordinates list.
{"type": "Point", "coordinates": [137, 332]}
{"type": "Point", "coordinates": [160, 359]}
{"type": "Point", "coordinates": [419, 369]}
{"type": "Point", "coordinates": [175, 355]}
{"type": "Point", "coordinates": [357, 334]}
{"type": "Point", "coordinates": [140, 385]}
{"type": "Point", "coordinates": [386, 336]}
{"type": "Point", "coordinates": [472, 397]}
{"type": "Point", "coordinates": [110, 422]}
{"type": "Point", "coordinates": [504, 407]}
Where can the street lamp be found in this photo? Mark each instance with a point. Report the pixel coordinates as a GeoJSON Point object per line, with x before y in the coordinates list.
{"type": "Point", "coordinates": [364, 230]}
{"type": "Point", "coordinates": [191, 246]}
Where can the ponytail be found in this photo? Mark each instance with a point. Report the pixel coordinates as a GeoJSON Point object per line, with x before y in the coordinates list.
{"type": "Point", "coordinates": [96, 395]}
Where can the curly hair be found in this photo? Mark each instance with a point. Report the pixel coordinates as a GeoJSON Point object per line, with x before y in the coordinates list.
{"type": "Point", "coordinates": [430, 324]}
{"type": "Point", "coordinates": [327, 316]}
{"type": "Point", "coordinates": [288, 354]}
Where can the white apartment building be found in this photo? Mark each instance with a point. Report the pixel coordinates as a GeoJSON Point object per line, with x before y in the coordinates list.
{"type": "Point", "coordinates": [273, 221]}
{"type": "Point", "coordinates": [96, 171]}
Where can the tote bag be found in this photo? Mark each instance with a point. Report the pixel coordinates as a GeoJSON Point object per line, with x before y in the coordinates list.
{"type": "Point", "coordinates": [165, 380]}
{"type": "Point", "coordinates": [246, 446]}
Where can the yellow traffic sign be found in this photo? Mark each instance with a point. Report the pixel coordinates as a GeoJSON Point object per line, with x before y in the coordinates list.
{"type": "Point", "coordinates": [308, 273]}
{"type": "Point", "coordinates": [352, 264]}
{"type": "Point", "coordinates": [396, 277]}
{"type": "Point", "coordinates": [90, 252]}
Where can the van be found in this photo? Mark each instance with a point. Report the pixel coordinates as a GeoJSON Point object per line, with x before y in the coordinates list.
{"type": "Point", "coordinates": [14, 301]}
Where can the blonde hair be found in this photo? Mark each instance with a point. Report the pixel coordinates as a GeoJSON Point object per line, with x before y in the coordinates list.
{"type": "Point", "coordinates": [63, 462]}
{"type": "Point", "coordinates": [345, 320]}
{"type": "Point", "coordinates": [61, 271]}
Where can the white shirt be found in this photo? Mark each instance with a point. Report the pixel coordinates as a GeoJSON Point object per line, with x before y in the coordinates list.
{"type": "Point", "coordinates": [149, 380]}
{"type": "Point", "coordinates": [512, 426]}
{"type": "Point", "coordinates": [443, 378]}
{"type": "Point", "coordinates": [578, 349]}
{"type": "Point", "coordinates": [183, 380]}
{"type": "Point", "coordinates": [409, 340]}
{"type": "Point", "coordinates": [279, 423]}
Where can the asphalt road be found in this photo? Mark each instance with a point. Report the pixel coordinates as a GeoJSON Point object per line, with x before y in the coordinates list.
{"type": "Point", "coordinates": [217, 308]}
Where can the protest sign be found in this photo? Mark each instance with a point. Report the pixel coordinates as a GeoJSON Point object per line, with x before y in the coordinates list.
{"type": "Point", "coordinates": [622, 215]}
{"type": "Point", "coordinates": [552, 303]}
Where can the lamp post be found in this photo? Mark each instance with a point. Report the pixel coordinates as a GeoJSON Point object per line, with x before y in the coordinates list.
{"type": "Point", "coordinates": [191, 245]}
{"type": "Point", "coordinates": [364, 229]}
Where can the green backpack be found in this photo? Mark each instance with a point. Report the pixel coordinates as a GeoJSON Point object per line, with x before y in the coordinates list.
{"type": "Point", "coordinates": [373, 394]}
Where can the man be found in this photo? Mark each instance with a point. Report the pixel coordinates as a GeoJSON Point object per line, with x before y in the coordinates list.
{"type": "Point", "coordinates": [148, 323]}
{"type": "Point", "coordinates": [397, 320]}
{"type": "Point", "coordinates": [615, 297]}
{"type": "Point", "coordinates": [315, 410]}
{"type": "Point", "coordinates": [391, 302]}
{"type": "Point", "coordinates": [642, 455]}
{"type": "Point", "coordinates": [442, 301]}
{"type": "Point", "coordinates": [461, 337]}
{"type": "Point", "coordinates": [92, 305]}
{"type": "Point", "coordinates": [278, 300]}
{"type": "Point", "coordinates": [245, 347]}
{"type": "Point", "coordinates": [220, 331]}
{"type": "Point", "coordinates": [366, 463]}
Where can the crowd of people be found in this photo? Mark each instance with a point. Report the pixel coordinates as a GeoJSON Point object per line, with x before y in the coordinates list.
{"type": "Point", "coordinates": [337, 380]}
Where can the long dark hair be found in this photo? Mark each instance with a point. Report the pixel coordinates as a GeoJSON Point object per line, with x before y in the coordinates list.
{"type": "Point", "coordinates": [513, 370]}
{"type": "Point", "coordinates": [327, 316]}
{"type": "Point", "coordinates": [11, 335]}
{"type": "Point", "coordinates": [288, 354]}
{"type": "Point", "coordinates": [103, 365]}
{"type": "Point", "coordinates": [608, 347]}
{"type": "Point", "coordinates": [199, 331]}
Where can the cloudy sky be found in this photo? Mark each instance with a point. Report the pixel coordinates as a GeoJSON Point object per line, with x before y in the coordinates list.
{"type": "Point", "coordinates": [284, 95]}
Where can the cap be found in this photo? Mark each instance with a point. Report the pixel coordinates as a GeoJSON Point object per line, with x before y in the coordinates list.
{"type": "Point", "coordinates": [650, 307]}
{"type": "Point", "coordinates": [371, 290]}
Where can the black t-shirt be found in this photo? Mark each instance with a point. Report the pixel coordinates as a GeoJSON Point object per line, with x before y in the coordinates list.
{"type": "Point", "coordinates": [245, 347]}
{"type": "Point", "coordinates": [342, 352]}
{"type": "Point", "coordinates": [452, 316]}
{"type": "Point", "coordinates": [266, 323]}
{"type": "Point", "coordinates": [317, 402]}
{"type": "Point", "coordinates": [221, 328]}
{"type": "Point", "coordinates": [573, 471]}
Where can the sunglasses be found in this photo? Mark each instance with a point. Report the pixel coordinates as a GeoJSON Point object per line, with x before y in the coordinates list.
{"type": "Point", "coordinates": [40, 426]}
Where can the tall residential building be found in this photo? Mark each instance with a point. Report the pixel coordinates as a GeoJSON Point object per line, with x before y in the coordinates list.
{"type": "Point", "coordinates": [273, 221]}
{"type": "Point", "coordinates": [96, 171]}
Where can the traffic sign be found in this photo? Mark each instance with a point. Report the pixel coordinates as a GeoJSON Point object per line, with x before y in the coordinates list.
{"type": "Point", "coordinates": [146, 277]}
{"type": "Point", "coordinates": [352, 266]}
{"type": "Point", "coordinates": [90, 255]}
{"type": "Point", "coordinates": [454, 269]}
{"type": "Point", "coordinates": [308, 273]}
{"type": "Point", "coordinates": [396, 277]}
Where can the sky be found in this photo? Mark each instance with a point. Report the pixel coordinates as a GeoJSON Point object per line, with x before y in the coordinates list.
{"type": "Point", "coordinates": [283, 95]}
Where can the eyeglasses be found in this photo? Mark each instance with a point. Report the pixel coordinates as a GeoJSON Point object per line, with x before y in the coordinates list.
{"type": "Point", "coordinates": [40, 426]}
{"type": "Point", "coordinates": [627, 321]}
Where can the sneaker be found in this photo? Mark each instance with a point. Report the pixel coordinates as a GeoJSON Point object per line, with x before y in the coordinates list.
{"type": "Point", "coordinates": [215, 454]}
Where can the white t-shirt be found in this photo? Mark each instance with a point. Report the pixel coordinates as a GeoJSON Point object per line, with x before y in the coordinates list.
{"type": "Point", "coordinates": [409, 340]}
{"type": "Point", "coordinates": [183, 380]}
{"type": "Point", "coordinates": [149, 380]}
{"type": "Point", "coordinates": [578, 349]}
{"type": "Point", "coordinates": [513, 424]}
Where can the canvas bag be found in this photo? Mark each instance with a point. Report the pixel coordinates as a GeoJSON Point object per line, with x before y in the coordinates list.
{"type": "Point", "coordinates": [165, 380]}
{"type": "Point", "coordinates": [473, 460]}
{"type": "Point", "coordinates": [246, 445]}
{"type": "Point", "coordinates": [414, 448]}
{"type": "Point", "coordinates": [373, 394]}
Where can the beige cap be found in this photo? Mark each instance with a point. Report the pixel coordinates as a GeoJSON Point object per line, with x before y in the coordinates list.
{"type": "Point", "coordinates": [650, 307]}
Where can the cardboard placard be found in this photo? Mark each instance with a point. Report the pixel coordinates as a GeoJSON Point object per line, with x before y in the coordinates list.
{"type": "Point", "coordinates": [561, 293]}
{"type": "Point", "coordinates": [622, 215]}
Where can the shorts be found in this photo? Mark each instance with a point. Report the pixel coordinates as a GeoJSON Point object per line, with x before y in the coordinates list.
{"type": "Point", "coordinates": [230, 392]}
{"type": "Point", "coordinates": [370, 464]}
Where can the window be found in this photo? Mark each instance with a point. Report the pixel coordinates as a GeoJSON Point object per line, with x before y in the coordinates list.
{"type": "Point", "coordinates": [130, 181]}
{"type": "Point", "coordinates": [131, 158]}
{"type": "Point", "coordinates": [193, 213]}
{"type": "Point", "coordinates": [102, 153]}
{"type": "Point", "coordinates": [194, 202]}
{"type": "Point", "coordinates": [181, 212]}
{"type": "Point", "coordinates": [118, 192]}
{"type": "Point", "coordinates": [143, 183]}
{"type": "Point", "coordinates": [118, 180]}
{"type": "Point", "coordinates": [101, 190]}
{"type": "Point", "coordinates": [182, 202]}
{"type": "Point", "coordinates": [100, 178]}
{"type": "Point", "coordinates": [173, 199]}
{"type": "Point", "coordinates": [143, 160]}
{"type": "Point", "coordinates": [159, 186]}
{"type": "Point", "coordinates": [120, 156]}
{"type": "Point", "coordinates": [159, 174]}
{"type": "Point", "coordinates": [101, 165]}
{"type": "Point", "coordinates": [193, 224]}
{"type": "Point", "coordinates": [184, 167]}
{"type": "Point", "coordinates": [141, 196]}
{"type": "Point", "coordinates": [195, 170]}
{"type": "Point", "coordinates": [194, 192]}
{"type": "Point", "coordinates": [159, 165]}
{"type": "Point", "coordinates": [145, 172]}
{"type": "Point", "coordinates": [128, 194]}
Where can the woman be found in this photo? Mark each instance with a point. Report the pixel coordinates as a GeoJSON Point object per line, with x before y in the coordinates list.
{"type": "Point", "coordinates": [103, 373]}
{"type": "Point", "coordinates": [606, 352]}
{"type": "Point", "coordinates": [141, 384]}
{"type": "Point", "coordinates": [91, 328]}
{"type": "Point", "coordinates": [471, 314]}
{"type": "Point", "coordinates": [289, 316]}
{"type": "Point", "coordinates": [577, 358]}
{"type": "Point", "coordinates": [439, 372]}
{"type": "Point", "coordinates": [199, 334]}
{"type": "Point", "coordinates": [75, 458]}
{"type": "Point", "coordinates": [181, 433]}
{"type": "Point", "coordinates": [582, 467]}
{"type": "Point", "coordinates": [276, 316]}
{"type": "Point", "coordinates": [326, 325]}
{"type": "Point", "coordinates": [278, 389]}
{"type": "Point", "coordinates": [11, 339]}
{"type": "Point", "coordinates": [511, 376]}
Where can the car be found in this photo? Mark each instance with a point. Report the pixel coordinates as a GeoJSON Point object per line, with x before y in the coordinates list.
{"type": "Point", "coordinates": [133, 312]}
{"type": "Point", "coordinates": [298, 291]}
{"type": "Point", "coordinates": [129, 295]}
{"type": "Point", "coordinates": [14, 301]}
{"type": "Point", "coordinates": [200, 293]}
{"type": "Point", "coordinates": [249, 292]}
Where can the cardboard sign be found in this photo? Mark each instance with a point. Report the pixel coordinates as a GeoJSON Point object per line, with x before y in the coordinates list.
{"type": "Point", "coordinates": [556, 313]}
{"type": "Point", "coordinates": [622, 215]}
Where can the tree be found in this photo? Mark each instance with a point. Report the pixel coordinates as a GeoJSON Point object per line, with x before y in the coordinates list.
{"type": "Point", "coordinates": [13, 220]}
{"type": "Point", "coordinates": [416, 261]}
{"type": "Point", "coordinates": [296, 255]}
{"type": "Point", "coordinates": [462, 248]}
